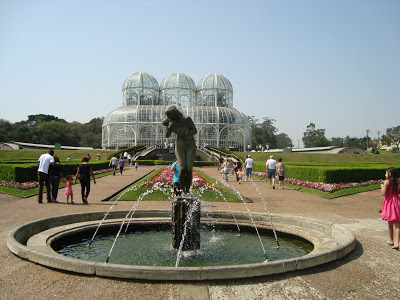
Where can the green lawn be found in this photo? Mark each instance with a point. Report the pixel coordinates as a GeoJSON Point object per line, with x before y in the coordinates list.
{"type": "Point", "coordinates": [386, 157]}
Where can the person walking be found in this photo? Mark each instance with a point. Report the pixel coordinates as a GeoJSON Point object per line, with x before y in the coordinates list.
{"type": "Point", "coordinates": [56, 175]}
{"type": "Point", "coordinates": [113, 163]}
{"type": "Point", "coordinates": [271, 171]}
{"type": "Point", "coordinates": [84, 172]}
{"type": "Point", "coordinates": [239, 176]}
{"type": "Point", "coordinates": [281, 170]}
{"type": "Point", "coordinates": [68, 188]}
{"type": "Point", "coordinates": [43, 175]}
{"type": "Point", "coordinates": [121, 165]}
{"type": "Point", "coordinates": [175, 171]}
{"type": "Point", "coordinates": [248, 166]}
{"type": "Point", "coordinates": [225, 168]}
{"type": "Point", "coordinates": [391, 206]}
{"type": "Point", "coordinates": [237, 166]}
{"type": "Point", "coordinates": [136, 165]}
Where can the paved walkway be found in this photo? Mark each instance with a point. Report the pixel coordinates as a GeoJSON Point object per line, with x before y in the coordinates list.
{"type": "Point", "coordinates": [369, 272]}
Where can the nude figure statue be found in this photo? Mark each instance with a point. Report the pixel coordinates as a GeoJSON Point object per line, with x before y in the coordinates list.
{"type": "Point", "coordinates": [185, 146]}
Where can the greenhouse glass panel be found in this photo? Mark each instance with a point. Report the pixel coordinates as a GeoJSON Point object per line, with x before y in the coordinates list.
{"type": "Point", "coordinates": [209, 104]}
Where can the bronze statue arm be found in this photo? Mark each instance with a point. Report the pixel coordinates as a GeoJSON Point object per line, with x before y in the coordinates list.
{"type": "Point", "coordinates": [192, 128]}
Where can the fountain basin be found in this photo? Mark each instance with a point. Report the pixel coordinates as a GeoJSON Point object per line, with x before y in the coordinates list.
{"type": "Point", "coordinates": [32, 241]}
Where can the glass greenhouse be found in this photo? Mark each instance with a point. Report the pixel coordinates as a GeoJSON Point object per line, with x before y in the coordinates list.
{"type": "Point", "coordinates": [210, 105]}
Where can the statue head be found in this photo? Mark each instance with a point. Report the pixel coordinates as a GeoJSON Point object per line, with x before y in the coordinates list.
{"type": "Point", "coordinates": [172, 112]}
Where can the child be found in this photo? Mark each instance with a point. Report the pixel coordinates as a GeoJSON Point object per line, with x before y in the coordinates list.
{"type": "Point", "coordinates": [68, 188]}
{"type": "Point", "coordinates": [239, 176]}
{"type": "Point", "coordinates": [391, 206]}
{"type": "Point", "coordinates": [136, 165]}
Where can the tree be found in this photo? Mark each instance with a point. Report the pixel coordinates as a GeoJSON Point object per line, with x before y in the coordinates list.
{"type": "Point", "coordinates": [264, 133]}
{"type": "Point", "coordinates": [93, 133]}
{"type": "Point", "coordinates": [53, 132]}
{"type": "Point", "coordinates": [5, 128]}
{"type": "Point", "coordinates": [393, 134]}
{"type": "Point", "coordinates": [354, 142]}
{"type": "Point", "coordinates": [320, 141]}
{"type": "Point", "coordinates": [337, 141]}
{"type": "Point", "coordinates": [20, 132]}
{"type": "Point", "coordinates": [34, 120]}
{"type": "Point", "coordinates": [283, 141]}
{"type": "Point", "coordinates": [311, 134]}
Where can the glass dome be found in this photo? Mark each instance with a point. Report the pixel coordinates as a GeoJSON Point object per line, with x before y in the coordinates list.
{"type": "Point", "coordinates": [210, 105]}
{"type": "Point", "coordinates": [140, 89]}
{"type": "Point", "coordinates": [214, 81]}
{"type": "Point", "coordinates": [215, 90]}
{"type": "Point", "coordinates": [178, 89]}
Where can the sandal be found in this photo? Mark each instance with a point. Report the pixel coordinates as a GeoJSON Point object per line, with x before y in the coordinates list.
{"type": "Point", "coordinates": [395, 248]}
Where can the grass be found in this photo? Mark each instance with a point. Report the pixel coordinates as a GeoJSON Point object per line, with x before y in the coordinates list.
{"type": "Point", "coordinates": [386, 157]}
{"type": "Point", "coordinates": [134, 192]}
{"type": "Point", "coordinates": [62, 154]}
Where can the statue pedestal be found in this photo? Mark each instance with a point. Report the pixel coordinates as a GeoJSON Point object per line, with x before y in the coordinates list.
{"type": "Point", "coordinates": [186, 223]}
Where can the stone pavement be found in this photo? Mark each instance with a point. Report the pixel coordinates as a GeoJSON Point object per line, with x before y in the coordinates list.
{"type": "Point", "coordinates": [369, 272]}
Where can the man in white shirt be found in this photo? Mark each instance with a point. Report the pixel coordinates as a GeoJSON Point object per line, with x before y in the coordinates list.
{"type": "Point", "coordinates": [271, 170]}
{"type": "Point", "coordinates": [248, 165]}
{"type": "Point", "coordinates": [43, 175]}
{"type": "Point", "coordinates": [113, 163]}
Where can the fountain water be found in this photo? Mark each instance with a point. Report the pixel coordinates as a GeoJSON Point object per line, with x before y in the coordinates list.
{"type": "Point", "coordinates": [38, 240]}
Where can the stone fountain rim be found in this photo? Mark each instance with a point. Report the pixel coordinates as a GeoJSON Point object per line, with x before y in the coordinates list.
{"type": "Point", "coordinates": [331, 241]}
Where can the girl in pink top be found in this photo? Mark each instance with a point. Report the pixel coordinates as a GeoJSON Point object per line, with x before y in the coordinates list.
{"type": "Point", "coordinates": [391, 206]}
{"type": "Point", "coordinates": [68, 189]}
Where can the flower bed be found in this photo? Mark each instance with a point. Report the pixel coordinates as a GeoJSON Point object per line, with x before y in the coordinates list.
{"type": "Point", "coordinates": [164, 177]}
{"type": "Point", "coordinates": [326, 187]}
{"type": "Point", "coordinates": [33, 184]}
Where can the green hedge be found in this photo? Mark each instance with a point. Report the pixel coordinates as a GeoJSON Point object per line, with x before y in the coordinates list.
{"type": "Point", "coordinates": [165, 162]}
{"type": "Point", "coordinates": [238, 154]}
{"type": "Point", "coordinates": [329, 174]}
{"type": "Point", "coordinates": [28, 172]}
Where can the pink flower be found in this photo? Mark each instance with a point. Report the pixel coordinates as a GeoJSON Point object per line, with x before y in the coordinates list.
{"type": "Point", "coordinates": [326, 187]}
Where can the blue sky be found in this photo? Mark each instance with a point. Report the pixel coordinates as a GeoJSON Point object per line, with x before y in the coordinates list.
{"type": "Point", "coordinates": [333, 63]}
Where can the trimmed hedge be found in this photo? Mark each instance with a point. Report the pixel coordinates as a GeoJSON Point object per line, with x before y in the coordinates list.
{"type": "Point", "coordinates": [28, 172]}
{"type": "Point", "coordinates": [337, 174]}
{"type": "Point", "coordinates": [164, 162]}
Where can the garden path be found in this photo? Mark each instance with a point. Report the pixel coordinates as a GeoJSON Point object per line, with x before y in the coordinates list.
{"type": "Point", "coordinates": [369, 272]}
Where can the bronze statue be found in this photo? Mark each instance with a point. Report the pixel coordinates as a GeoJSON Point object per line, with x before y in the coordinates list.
{"type": "Point", "coordinates": [185, 146]}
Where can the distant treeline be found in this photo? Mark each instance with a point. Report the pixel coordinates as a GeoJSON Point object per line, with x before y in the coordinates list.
{"type": "Point", "coordinates": [47, 129]}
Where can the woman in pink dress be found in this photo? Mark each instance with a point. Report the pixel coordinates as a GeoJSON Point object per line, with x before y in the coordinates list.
{"type": "Point", "coordinates": [391, 206]}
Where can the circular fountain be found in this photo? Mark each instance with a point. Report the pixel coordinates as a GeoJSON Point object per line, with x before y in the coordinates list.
{"type": "Point", "coordinates": [38, 241]}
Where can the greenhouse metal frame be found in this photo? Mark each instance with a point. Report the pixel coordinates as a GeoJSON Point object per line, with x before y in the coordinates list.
{"type": "Point", "coordinates": [210, 105]}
